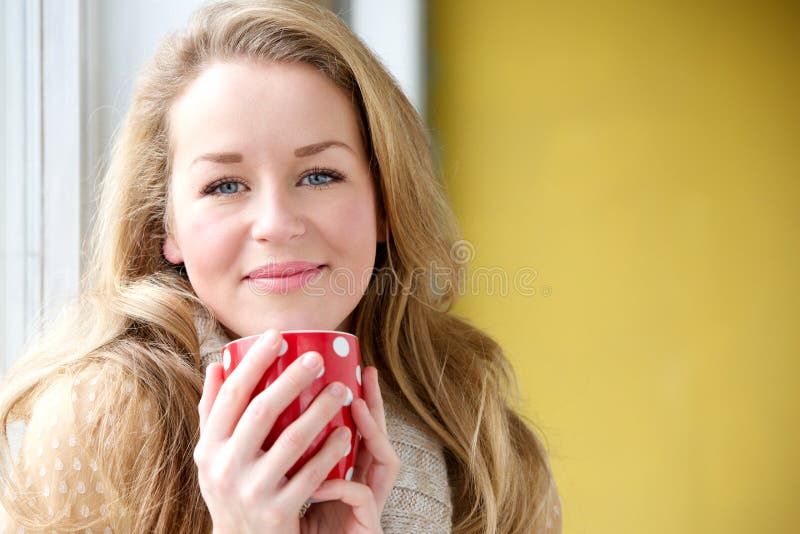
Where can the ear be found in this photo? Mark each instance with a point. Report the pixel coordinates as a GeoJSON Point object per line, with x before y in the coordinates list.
{"type": "Point", "coordinates": [171, 251]}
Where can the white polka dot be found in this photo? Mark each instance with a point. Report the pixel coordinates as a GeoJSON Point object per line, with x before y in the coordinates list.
{"type": "Point", "coordinates": [59, 464]}
{"type": "Point", "coordinates": [81, 487]}
{"type": "Point", "coordinates": [93, 381]}
{"type": "Point", "coordinates": [55, 443]}
{"type": "Point", "coordinates": [349, 400]}
{"type": "Point", "coordinates": [72, 440]}
{"type": "Point", "coordinates": [62, 487]}
{"type": "Point", "coordinates": [42, 471]}
{"type": "Point", "coordinates": [128, 386]}
{"type": "Point", "coordinates": [341, 346]}
{"type": "Point", "coordinates": [88, 530]}
{"type": "Point", "coordinates": [358, 374]}
{"type": "Point", "coordinates": [74, 396]}
{"type": "Point", "coordinates": [76, 464]}
{"type": "Point", "coordinates": [104, 513]}
{"type": "Point", "coordinates": [226, 359]}
{"type": "Point", "coordinates": [39, 452]}
{"type": "Point", "coordinates": [46, 490]}
{"type": "Point", "coordinates": [321, 372]}
{"type": "Point", "coordinates": [284, 348]}
{"type": "Point", "coordinates": [85, 511]}
{"type": "Point", "coordinates": [99, 488]}
{"type": "Point", "coordinates": [93, 465]}
{"type": "Point", "coordinates": [349, 474]}
{"type": "Point", "coordinates": [349, 448]}
{"type": "Point", "coordinates": [107, 530]}
{"type": "Point", "coordinates": [92, 396]}
{"type": "Point", "coordinates": [28, 482]}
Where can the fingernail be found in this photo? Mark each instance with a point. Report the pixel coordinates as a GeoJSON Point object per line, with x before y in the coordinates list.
{"type": "Point", "coordinates": [270, 338]}
{"type": "Point", "coordinates": [343, 433]}
{"type": "Point", "coordinates": [311, 360]}
{"type": "Point", "coordinates": [337, 390]}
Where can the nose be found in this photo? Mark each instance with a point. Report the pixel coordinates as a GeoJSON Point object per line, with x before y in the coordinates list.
{"type": "Point", "coordinates": [276, 217]}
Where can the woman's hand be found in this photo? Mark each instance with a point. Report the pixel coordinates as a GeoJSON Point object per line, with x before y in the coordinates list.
{"type": "Point", "coordinates": [246, 489]}
{"type": "Point", "coordinates": [355, 507]}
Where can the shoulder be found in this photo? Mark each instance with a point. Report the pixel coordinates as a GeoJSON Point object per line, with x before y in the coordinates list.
{"type": "Point", "coordinates": [420, 500]}
{"type": "Point", "coordinates": [93, 395]}
{"type": "Point", "coordinates": [78, 415]}
{"type": "Point", "coordinates": [62, 464]}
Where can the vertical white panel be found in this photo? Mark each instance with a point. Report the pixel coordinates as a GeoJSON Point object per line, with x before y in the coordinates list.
{"type": "Point", "coordinates": [393, 29]}
{"type": "Point", "coordinates": [62, 152]}
{"type": "Point", "coordinates": [4, 130]}
{"type": "Point", "coordinates": [21, 185]}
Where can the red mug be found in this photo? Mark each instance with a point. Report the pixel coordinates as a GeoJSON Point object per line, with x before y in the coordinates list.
{"type": "Point", "coordinates": [342, 363]}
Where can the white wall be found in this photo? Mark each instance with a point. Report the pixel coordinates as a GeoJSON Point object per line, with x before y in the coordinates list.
{"type": "Point", "coordinates": [20, 189]}
{"type": "Point", "coordinates": [394, 31]}
{"type": "Point", "coordinates": [3, 135]}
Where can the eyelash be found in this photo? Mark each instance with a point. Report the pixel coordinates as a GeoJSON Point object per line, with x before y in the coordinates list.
{"type": "Point", "coordinates": [334, 175]}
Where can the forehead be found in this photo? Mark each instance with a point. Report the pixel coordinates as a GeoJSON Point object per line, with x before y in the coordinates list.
{"type": "Point", "coordinates": [249, 105]}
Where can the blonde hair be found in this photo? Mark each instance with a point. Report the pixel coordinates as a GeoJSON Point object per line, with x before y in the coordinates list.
{"type": "Point", "coordinates": [135, 318]}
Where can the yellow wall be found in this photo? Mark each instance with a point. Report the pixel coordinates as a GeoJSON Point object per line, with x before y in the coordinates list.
{"type": "Point", "coordinates": [643, 157]}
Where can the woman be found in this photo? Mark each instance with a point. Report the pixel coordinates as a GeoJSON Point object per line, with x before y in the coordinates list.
{"type": "Point", "coordinates": [266, 132]}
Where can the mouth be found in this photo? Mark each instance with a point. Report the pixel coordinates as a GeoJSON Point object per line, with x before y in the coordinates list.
{"type": "Point", "coordinates": [283, 277]}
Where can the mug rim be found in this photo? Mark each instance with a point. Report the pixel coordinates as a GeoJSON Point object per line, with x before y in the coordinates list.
{"type": "Point", "coordinates": [339, 332]}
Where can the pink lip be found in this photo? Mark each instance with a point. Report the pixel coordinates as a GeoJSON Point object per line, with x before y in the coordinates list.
{"type": "Point", "coordinates": [281, 270]}
{"type": "Point", "coordinates": [283, 277]}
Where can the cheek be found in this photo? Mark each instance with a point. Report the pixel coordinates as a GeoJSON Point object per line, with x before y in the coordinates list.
{"type": "Point", "coordinates": [355, 232]}
{"type": "Point", "coordinates": [208, 244]}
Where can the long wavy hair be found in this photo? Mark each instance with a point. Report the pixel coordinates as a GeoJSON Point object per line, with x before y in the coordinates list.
{"type": "Point", "coordinates": [136, 313]}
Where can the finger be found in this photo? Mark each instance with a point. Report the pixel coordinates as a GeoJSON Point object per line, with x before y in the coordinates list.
{"type": "Point", "coordinates": [384, 464]}
{"type": "Point", "coordinates": [372, 394]}
{"type": "Point", "coordinates": [364, 457]}
{"type": "Point", "coordinates": [234, 395]}
{"type": "Point", "coordinates": [298, 436]}
{"type": "Point", "coordinates": [358, 496]}
{"type": "Point", "coordinates": [262, 412]}
{"type": "Point", "coordinates": [314, 472]}
{"type": "Point", "coordinates": [211, 387]}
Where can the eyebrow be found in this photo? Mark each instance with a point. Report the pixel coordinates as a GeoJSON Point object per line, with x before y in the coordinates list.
{"type": "Point", "coordinates": [302, 152]}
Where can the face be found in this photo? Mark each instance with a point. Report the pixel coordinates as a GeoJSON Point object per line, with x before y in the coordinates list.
{"type": "Point", "coordinates": [272, 205]}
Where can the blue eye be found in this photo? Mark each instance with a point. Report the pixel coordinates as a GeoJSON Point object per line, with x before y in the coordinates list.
{"type": "Point", "coordinates": [316, 179]}
{"type": "Point", "coordinates": [319, 178]}
{"type": "Point", "coordinates": [224, 187]}
{"type": "Point", "coordinates": [228, 188]}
